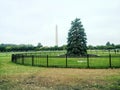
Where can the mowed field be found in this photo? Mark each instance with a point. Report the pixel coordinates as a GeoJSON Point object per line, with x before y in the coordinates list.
{"type": "Point", "coordinates": [19, 77]}
{"type": "Point", "coordinates": [58, 59]}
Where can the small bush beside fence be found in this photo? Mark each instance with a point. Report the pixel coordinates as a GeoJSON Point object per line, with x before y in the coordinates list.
{"type": "Point", "coordinates": [66, 61]}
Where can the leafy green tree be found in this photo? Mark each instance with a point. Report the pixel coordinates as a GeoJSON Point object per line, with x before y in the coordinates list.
{"type": "Point", "coordinates": [117, 46]}
{"type": "Point", "coordinates": [110, 46]}
{"type": "Point", "coordinates": [90, 47]}
{"type": "Point", "coordinates": [39, 45]}
{"type": "Point", "coordinates": [76, 43]}
{"type": "Point", "coordinates": [108, 43]}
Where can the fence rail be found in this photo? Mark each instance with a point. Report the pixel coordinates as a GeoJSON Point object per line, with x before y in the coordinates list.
{"type": "Point", "coordinates": [67, 61]}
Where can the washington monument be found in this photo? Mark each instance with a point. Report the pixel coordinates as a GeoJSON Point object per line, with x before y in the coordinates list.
{"type": "Point", "coordinates": [56, 36]}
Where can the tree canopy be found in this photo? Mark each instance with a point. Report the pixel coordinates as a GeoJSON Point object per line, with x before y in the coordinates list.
{"type": "Point", "coordinates": [76, 43]}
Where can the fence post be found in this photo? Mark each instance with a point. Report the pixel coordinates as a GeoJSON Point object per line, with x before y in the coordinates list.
{"type": "Point", "coordinates": [12, 58]}
{"type": "Point", "coordinates": [22, 59]}
{"type": "Point", "coordinates": [110, 60]}
{"type": "Point", "coordinates": [47, 60]}
{"type": "Point", "coordinates": [88, 61]}
{"type": "Point", "coordinates": [66, 60]}
{"type": "Point", "coordinates": [32, 60]}
{"type": "Point", "coordinates": [15, 56]}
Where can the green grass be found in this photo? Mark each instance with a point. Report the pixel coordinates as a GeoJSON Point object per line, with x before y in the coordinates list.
{"type": "Point", "coordinates": [7, 67]}
{"type": "Point", "coordinates": [94, 62]}
{"type": "Point", "coordinates": [20, 77]}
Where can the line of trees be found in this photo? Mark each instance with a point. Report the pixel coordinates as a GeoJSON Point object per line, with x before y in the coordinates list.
{"type": "Point", "coordinates": [14, 47]}
{"type": "Point", "coordinates": [39, 47]}
{"type": "Point", "coordinates": [28, 47]}
{"type": "Point", "coordinates": [108, 46]}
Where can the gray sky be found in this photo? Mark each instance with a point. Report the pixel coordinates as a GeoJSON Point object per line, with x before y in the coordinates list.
{"type": "Point", "coordinates": [33, 21]}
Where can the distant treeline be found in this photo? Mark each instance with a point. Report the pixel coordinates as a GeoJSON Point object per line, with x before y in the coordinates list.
{"type": "Point", "coordinates": [108, 46]}
{"type": "Point", "coordinates": [29, 47]}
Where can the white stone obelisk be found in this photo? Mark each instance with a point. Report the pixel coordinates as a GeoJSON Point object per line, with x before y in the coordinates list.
{"type": "Point", "coordinates": [56, 36]}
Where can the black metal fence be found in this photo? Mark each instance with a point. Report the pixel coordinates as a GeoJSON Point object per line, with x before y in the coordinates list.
{"type": "Point", "coordinates": [66, 61]}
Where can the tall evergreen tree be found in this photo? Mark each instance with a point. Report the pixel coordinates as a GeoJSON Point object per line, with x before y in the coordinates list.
{"type": "Point", "coordinates": [76, 44]}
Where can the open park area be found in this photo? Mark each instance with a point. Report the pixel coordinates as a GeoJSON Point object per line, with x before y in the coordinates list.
{"type": "Point", "coordinates": [21, 77]}
{"type": "Point", "coordinates": [94, 59]}
{"type": "Point", "coordinates": [59, 45]}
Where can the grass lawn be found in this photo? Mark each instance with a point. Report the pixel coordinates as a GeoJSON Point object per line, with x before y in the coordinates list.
{"type": "Point", "coordinates": [18, 77]}
{"type": "Point", "coordinates": [82, 62]}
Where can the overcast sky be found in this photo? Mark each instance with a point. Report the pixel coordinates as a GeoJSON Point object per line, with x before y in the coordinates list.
{"type": "Point", "coordinates": [33, 21]}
